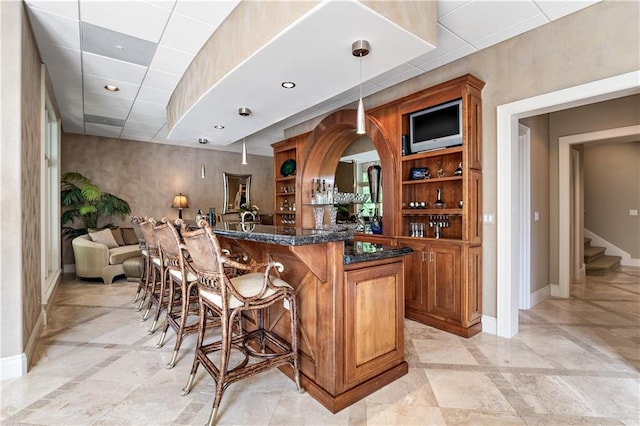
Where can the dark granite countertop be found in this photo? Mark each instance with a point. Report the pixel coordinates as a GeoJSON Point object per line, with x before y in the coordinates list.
{"type": "Point", "coordinates": [359, 251]}
{"type": "Point", "coordinates": [285, 236]}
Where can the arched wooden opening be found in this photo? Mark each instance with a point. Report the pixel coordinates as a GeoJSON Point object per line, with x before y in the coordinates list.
{"type": "Point", "coordinates": [327, 143]}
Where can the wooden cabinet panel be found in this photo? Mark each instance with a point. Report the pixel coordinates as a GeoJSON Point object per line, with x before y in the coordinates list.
{"type": "Point", "coordinates": [415, 278]}
{"type": "Point", "coordinates": [374, 333]}
{"type": "Point", "coordinates": [444, 282]}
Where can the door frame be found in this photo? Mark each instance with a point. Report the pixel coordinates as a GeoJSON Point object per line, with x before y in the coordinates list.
{"type": "Point", "coordinates": [507, 263]}
{"type": "Point", "coordinates": [524, 203]}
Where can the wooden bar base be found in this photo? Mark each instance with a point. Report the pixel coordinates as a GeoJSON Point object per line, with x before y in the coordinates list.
{"type": "Point", "coordinates": [336, 403]}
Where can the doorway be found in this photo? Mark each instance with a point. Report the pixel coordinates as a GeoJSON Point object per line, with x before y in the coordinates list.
{"type": "Point", "coordinates": [508, 224]}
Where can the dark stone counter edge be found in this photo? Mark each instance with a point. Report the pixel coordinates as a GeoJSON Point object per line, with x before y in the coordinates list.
{"type": "Point", "coordinates": [313, 237]}
{"type": "Point", "coordinates": [384, 253]}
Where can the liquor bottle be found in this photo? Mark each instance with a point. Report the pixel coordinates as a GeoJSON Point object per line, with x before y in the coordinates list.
{"type": "Point", "coordinates": [438, 204]}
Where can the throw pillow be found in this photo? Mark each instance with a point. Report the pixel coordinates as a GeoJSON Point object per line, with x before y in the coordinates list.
{"type": "Point", "coordinates": [103, 237]}
{"type": "Point", "coordinates": [117, 235]}
{"type": "Point", "coordinates": [129, 236]}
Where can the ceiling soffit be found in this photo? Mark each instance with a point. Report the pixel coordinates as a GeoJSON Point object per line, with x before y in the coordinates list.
{"type": "Point", "coordinates": [245, 68]}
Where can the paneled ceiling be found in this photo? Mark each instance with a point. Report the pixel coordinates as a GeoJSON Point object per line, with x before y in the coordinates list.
{"type": "Point", "coordinates": [144, 47]}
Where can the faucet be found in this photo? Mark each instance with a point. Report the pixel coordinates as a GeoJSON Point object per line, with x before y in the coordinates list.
{"type": "Point", "coordinates": [244, 214]}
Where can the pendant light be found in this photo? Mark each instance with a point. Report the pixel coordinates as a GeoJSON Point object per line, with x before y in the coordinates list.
{"type": "Point", "coordinates": [360, 48]}
{"type": "Point", "coordinates": [244, 112]}
{"type": "Point", "coordinates": [244, 153]}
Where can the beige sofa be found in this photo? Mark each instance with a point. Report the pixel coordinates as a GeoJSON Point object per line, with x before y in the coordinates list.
{"type": "Point", "coordinates": [97, 260]}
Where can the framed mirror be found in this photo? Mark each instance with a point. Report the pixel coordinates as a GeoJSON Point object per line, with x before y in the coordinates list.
{"type": "Point", "coordinates": [237, 190]}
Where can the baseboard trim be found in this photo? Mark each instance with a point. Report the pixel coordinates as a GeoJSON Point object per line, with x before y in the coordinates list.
{"type": "Point", "coordinates": [13, 366]}
{"type": "Point", "coordinates": [18, 365]}
{"type": "Point", "coordinates": [489, 325]}
{"type": "Point", "coordinates": [540, 295]}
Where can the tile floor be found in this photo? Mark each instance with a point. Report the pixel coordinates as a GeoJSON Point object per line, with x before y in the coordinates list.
{"type": "Point", "coordinates": [575, 361]}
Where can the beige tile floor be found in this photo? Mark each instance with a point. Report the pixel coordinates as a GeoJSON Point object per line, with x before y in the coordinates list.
{"type": "Point", "coordinates": [575, 361]}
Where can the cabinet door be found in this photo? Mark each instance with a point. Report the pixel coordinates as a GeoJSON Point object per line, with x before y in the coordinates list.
{"type": "Point", "coordinates": [415, 280]}
{"type": "Point", "coordinates": [444, 283]}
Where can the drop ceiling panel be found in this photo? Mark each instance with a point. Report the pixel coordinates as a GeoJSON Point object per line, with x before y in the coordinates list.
{"type": "Point", "coordinates": [510, 31]}
{"type": "Point", "coordinates": [55, 29]}
{"type": "Point", "coordinates": [156, 96]}
{"type": "Point", "coordinates": [62, 58]}
{"type": "Point", "coordinates": [137, 135]}
{"type": "Point", "coordinates": [102, 66]}
{"type": "Point", "coordinates": [67, 9]}
{"type": "Point", "coordinates": [112, 44]}
{"type": "Point", "coordinates": [477, 20]}
{"type": "Point", "coordinates": [161, 80]}
{"type": "Point", "coordinates": [150, 108]}
{"type": "Point", "coordinates": [210, 12]}
{"type": "Point", "coordinates": [186, 34]}
{"type": "Point", "coordinates": [171, 61]}
{"type": "Point", "coordinates": [143, 126]}
{"type": "Point", "coordinates": [558, 9]}
{"type": "Point", "coordinates": [103, 130]}
{"type": "Point", "coordinates": [95, 84]}
{"type": "Point", "coordinates": [136, 18]}
{"type": "Point", "coordinates": [97, 100]}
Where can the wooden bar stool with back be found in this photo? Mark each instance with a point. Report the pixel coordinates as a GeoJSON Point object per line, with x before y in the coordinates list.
{"type": "Point", "coordinates": [243, 300]}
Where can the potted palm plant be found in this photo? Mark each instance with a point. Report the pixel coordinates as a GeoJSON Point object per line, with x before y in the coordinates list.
{"type": "Point", "coordinates": [84, 200]}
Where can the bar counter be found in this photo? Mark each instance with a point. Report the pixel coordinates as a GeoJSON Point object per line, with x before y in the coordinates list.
{"type": "Point", "coordinates": [350, 298]}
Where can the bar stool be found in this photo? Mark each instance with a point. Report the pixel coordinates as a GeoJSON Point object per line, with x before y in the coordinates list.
{"type": "Point", "coordinates": [143, 283]}
{"type": "Point", "coordinates": [229, 298]}
{"type": "Point", "coordinates": [155, 277]}
{"type": "Point", "coordinates": [180, 279]}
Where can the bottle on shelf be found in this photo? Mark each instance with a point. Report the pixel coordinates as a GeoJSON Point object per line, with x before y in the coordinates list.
{"type": "Point", "coordinates": [439, 204]}
{"type": "Point", "coordinates": [199, 216]}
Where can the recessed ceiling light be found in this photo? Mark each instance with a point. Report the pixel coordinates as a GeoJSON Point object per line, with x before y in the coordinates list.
{"type": "Point", "coordinates": [111, 87]}
{"type": "Point", "coordinates": [203, 141]}
{"type": "Point", "coordinates": [288, 84]}
{"type": "Point", "coordinates": [218, 126]}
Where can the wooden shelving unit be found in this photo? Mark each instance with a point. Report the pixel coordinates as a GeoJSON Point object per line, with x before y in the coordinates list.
{"type": "Point", "coordinates": [287, 200]}
{"type": "Point", "coordinates": [443, 279]}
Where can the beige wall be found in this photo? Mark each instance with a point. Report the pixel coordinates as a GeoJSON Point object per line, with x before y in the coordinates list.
{"type": "Point", "coordinates": [20, 185]}
{"type": "Point", "coordinates": [597, 42]}
{"type": "Point", "coordinates": [611, 189]}
{"type": "Point", "coordinates": [589, 118]}
{"type": "Point", "coordinates": [148, 175]}
{"type": "Point", "coordinates": [539, 196]}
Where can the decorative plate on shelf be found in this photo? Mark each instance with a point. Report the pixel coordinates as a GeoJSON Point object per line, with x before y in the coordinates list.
{"type": "Point", "coordinates": [288, 168]}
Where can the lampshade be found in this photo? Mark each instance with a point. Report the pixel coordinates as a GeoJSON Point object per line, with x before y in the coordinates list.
{"type": "Point", "coordinates": [180, 202]}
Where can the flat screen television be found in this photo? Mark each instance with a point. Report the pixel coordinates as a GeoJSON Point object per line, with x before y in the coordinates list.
{"type": "Point", "coordinates": [436, 127]}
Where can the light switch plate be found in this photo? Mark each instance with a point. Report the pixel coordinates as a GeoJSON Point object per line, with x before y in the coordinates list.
{"type": "Point", "coordinates": [633, 212]}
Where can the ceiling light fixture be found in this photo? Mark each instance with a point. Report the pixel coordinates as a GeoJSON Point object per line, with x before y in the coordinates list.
{"type": "Point", "coordinates": [203, 141]}
{"type": "Point", "coordinates": [288, 84]}
{"type": "Point", "coordinates": [244, 152]}
{"type": "Point", "coordinates": [111, 87]}
{"type": "Point", "coordinates": [218, 126]}
{"type": "Point", "coordinates": [360, 48]}
{"type": "Point", "coordinates": [244, 112]}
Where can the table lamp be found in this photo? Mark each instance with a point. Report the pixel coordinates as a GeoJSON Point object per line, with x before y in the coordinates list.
{"type": "Point", "coordinates": [180, 202]}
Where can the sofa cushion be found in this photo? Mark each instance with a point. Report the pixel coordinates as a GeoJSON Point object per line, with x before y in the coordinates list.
{"type": "Point", "coordinates": [103, 237]}
{"type": "Point", "coordinates": [120, 254]}
{"type": "Point", "coordinates": [129, 236]}
{"type": "Point", "coordinates": [117, 235]}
